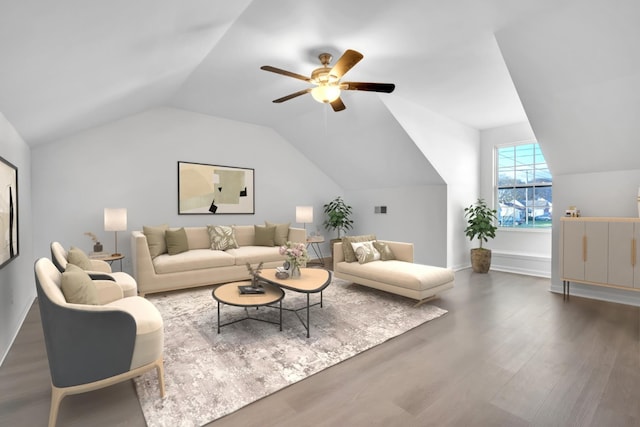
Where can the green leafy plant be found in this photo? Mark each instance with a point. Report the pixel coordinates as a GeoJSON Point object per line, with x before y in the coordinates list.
{"type": "Point", "coordinates": [481, 222]}
{"type": "Point", "coordinates": [338, 216]}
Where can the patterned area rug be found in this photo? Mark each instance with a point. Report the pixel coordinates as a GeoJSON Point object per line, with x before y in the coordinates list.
{"type": "Point", "coordinates": [209, 375]}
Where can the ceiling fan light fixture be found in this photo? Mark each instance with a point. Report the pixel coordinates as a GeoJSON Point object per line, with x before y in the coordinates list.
{"type": "Point", "coordinates": [325, 93]}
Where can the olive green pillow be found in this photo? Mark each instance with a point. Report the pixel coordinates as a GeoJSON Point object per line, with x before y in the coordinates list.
{"type": "Point", "coordinates": [155, 239]}
{"type": "Point", "coordinates": [176, 241]}
{"type": "Point", "coordinates": [282, 232]}
{"type": "Point", "coordinates": [265, 236]}
{"type": "Point", "coordinates": [386, 253]}
{"type": "Point", "coordinates": [349, 254]}
{"type": "Point", "coordinates": [77, 286]}
{"type": "Point", "coordinates": [77, 257]}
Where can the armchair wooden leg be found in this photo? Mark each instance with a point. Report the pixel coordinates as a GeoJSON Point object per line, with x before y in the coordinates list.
{"type": "Point", "coordinates": [57, 395]}
{"type": "Point", "coordinates": [160, 372]}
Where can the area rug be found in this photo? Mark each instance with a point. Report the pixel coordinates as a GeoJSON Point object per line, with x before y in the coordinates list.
{"type": "Point", "coordinates": [209, 375]}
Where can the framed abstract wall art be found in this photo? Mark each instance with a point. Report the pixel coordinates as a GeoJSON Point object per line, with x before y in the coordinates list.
{"type": "Point", "coordinates": [214, 189]}
{"type": "Point", "coordinates": [9, 247]}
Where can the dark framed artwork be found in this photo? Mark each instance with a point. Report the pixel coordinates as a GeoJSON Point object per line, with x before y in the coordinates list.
{"type": "Point", "coordinates": [214, 189]}
{"type": "Point", "coordinates": [9, 242]}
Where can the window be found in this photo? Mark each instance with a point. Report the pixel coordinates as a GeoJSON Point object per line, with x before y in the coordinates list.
{"type": "Point", "coordinates": [523, 184]}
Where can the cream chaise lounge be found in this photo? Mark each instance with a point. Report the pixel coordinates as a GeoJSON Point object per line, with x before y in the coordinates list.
{"type": "Point", "coordinates": [399, 276]}
{"type": "Point", "coordinates": [200, 265]}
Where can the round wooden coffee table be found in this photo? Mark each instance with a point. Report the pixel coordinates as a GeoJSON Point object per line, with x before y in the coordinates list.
{"type": "Point", "coordinates": [230, 294]}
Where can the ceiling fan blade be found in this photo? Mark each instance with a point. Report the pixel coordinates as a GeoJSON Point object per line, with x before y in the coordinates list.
{"type": "Point", "coordinates": [346, 62]}
{"type": "Point", "coordinates": [338, 105]}
{"type": "Point", "coordinates": [285, 73]}
{"type": "Point", "coordinates": [371, 87]}
{"type": "Point", "coordinates": [291, 96]}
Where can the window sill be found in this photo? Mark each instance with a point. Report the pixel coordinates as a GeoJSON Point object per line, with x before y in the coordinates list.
{"type": "Point", "coordinates": [525, 230]}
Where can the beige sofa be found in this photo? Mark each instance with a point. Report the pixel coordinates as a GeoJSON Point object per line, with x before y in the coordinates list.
{"type": "Point", "coordinates": [200, 265]}
{"type": "Point", "coordinates": [400, 276]}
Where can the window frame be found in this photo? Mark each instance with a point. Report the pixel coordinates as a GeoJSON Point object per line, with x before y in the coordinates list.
{"type": "Point", "coordinates": [533, 186]}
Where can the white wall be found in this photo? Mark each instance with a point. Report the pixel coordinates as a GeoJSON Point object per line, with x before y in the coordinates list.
{"type": "Point", "coordinates": [454, 151]}
{"type": "Point", "coordinates": [517, 251]}
{"type": "Point", "coordinates": [17, 286]}
{"type": "Point", "coordinates": [132, 163]}
{"type": "Point", "coordinates": [414, 214]}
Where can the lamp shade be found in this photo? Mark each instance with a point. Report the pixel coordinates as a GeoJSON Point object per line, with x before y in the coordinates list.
{"type": "Point", "coordinates": [304, 214]}
{"type": "Point", "coordinates": [115, 219]}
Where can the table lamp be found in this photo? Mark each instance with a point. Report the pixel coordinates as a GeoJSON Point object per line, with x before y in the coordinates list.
{"type": "Point", "coordinates": [115, 219]}
{"type": "Point", "coordinates": [304, 215]}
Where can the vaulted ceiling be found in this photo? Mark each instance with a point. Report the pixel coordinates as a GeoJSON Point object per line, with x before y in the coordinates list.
{"type": "Point", "coordinates": [70, 65]}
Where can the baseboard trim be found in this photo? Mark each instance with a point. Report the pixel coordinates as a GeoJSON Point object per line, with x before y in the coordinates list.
{"type": "Point", "coordinates": [519, 263]}
{"type": "Point", "coordinates": [17, 331]}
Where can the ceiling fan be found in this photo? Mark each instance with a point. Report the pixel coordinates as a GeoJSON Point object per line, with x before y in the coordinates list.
{"type": "Point", "coordinates": [327, 80]}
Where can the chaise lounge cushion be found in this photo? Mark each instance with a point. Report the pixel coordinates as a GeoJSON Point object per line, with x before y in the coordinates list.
{"type": "Point", "coordinates": [402, 274]}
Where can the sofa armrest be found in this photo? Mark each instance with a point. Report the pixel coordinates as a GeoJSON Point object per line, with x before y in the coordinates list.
{"type": "Point", "coordinates": [297, 235]}
{"type": "Point", "coordinates": [338, 254]}
{"type": "Point", "coordinates": [143, 269]}
{"type": "Point", "coordinates": [401, 250]}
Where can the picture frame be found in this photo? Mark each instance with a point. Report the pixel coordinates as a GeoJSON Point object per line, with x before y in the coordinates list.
{"type": "Point", "coordinates": [207, 189]}
{"type": "Point", "coordinates": [9, 230]}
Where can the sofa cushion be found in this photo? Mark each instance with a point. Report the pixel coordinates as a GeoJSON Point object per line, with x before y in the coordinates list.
{"type": "Point", "coordinates": [282, 232]}
{"type": "Point", "coordinates": [77, 286]}
{"type": "Point", "coordinates": [221, 237]}
{"type": "Point", "coordinates": [265, 236]}
{"type": "Point", "coordinates": [386, 254]}
{"type": "Point", "coordinates": [399, 273]}
{"type": "Point", "coordinates": [176, 241]}
{"type": "Point", "coordinates": [194, 259]}
{"type": "Point", "coordinates": [155, 239]}
{"type": "Point", "coordinates": [245, 235]}
{"type": "Point", "coordinates": [365, 252]}
{"type": "Point", "coordinates": [198, 237]}
{"type": "Point", "coordinates": [349, 254]}
{"type": "Point", "coordinates": [255, 254]}
{"type": "Point", "coordinates": [77, 257]}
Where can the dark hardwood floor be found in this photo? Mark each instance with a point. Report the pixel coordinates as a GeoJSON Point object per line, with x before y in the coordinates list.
{"type": "Point", "coordinates": [508, 353]}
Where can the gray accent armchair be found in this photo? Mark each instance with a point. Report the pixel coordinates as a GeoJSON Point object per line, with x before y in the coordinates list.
{"type": "Point", "coordinates": [95, 346]}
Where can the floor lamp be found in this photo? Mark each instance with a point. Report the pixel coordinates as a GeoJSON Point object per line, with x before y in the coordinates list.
{"type": "Point", "coordinates": [115, 219]}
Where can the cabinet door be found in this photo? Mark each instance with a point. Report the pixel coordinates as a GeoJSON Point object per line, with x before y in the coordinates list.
{"type": "Point", "coordinates": [596, 250]}
{"type": "Point", "coordinates": [621, 269]}
{"type": "Point", "coordinates": [572, 250]}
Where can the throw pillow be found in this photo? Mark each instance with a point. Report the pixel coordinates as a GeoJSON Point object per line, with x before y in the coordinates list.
{"type": "Point", "coordinates": [78, 257]}
{"type": "Point", "coordinates": [221, 237]}
{"type": "Point", "coordinates": [176, 241]}
{"type": "Point", "coordinates": [365, 252]}
{"type": "Point", "coordinates": [282, 232]}
{"type": "Point", "coordinates": [265, 236]}
{"type": "Point", "coordinates": [386, 253]}
{"type": "Point", "coordinates": [77, 287]}
{"type": "Point", "coordinates": [155, 239]}
{"type": "Point", "coordinates": [349, 255]}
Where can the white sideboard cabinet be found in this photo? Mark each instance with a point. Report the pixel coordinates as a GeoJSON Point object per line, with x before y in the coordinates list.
{"type": "Point", "coordinates": [600, 251]}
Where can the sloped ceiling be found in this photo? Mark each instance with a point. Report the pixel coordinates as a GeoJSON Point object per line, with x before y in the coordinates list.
{"type": "Point", "coordinates": [578, 74]}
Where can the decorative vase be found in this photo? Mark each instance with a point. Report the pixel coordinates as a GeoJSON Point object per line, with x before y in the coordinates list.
{"type": "Point", "coordinates": [97, 247]}
{"type": "Point", "coordinates": [295, 271]}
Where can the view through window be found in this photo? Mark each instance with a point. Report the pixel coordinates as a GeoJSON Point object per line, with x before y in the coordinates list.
{"type": "Point", "coordinates": [524, 192]}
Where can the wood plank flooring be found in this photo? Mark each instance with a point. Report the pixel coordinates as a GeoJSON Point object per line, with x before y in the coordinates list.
{"type": "Point", "coordinates": [508, 353]}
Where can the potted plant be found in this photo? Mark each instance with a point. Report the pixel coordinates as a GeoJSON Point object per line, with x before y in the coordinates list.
{"type": "Point", "coordinates": [481, 225]}
{"type": "Point", "coordinates": [338, 218]}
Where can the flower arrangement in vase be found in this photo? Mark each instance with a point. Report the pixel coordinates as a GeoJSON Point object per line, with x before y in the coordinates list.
{"type": "Point", "coordinates": [297, 256]}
